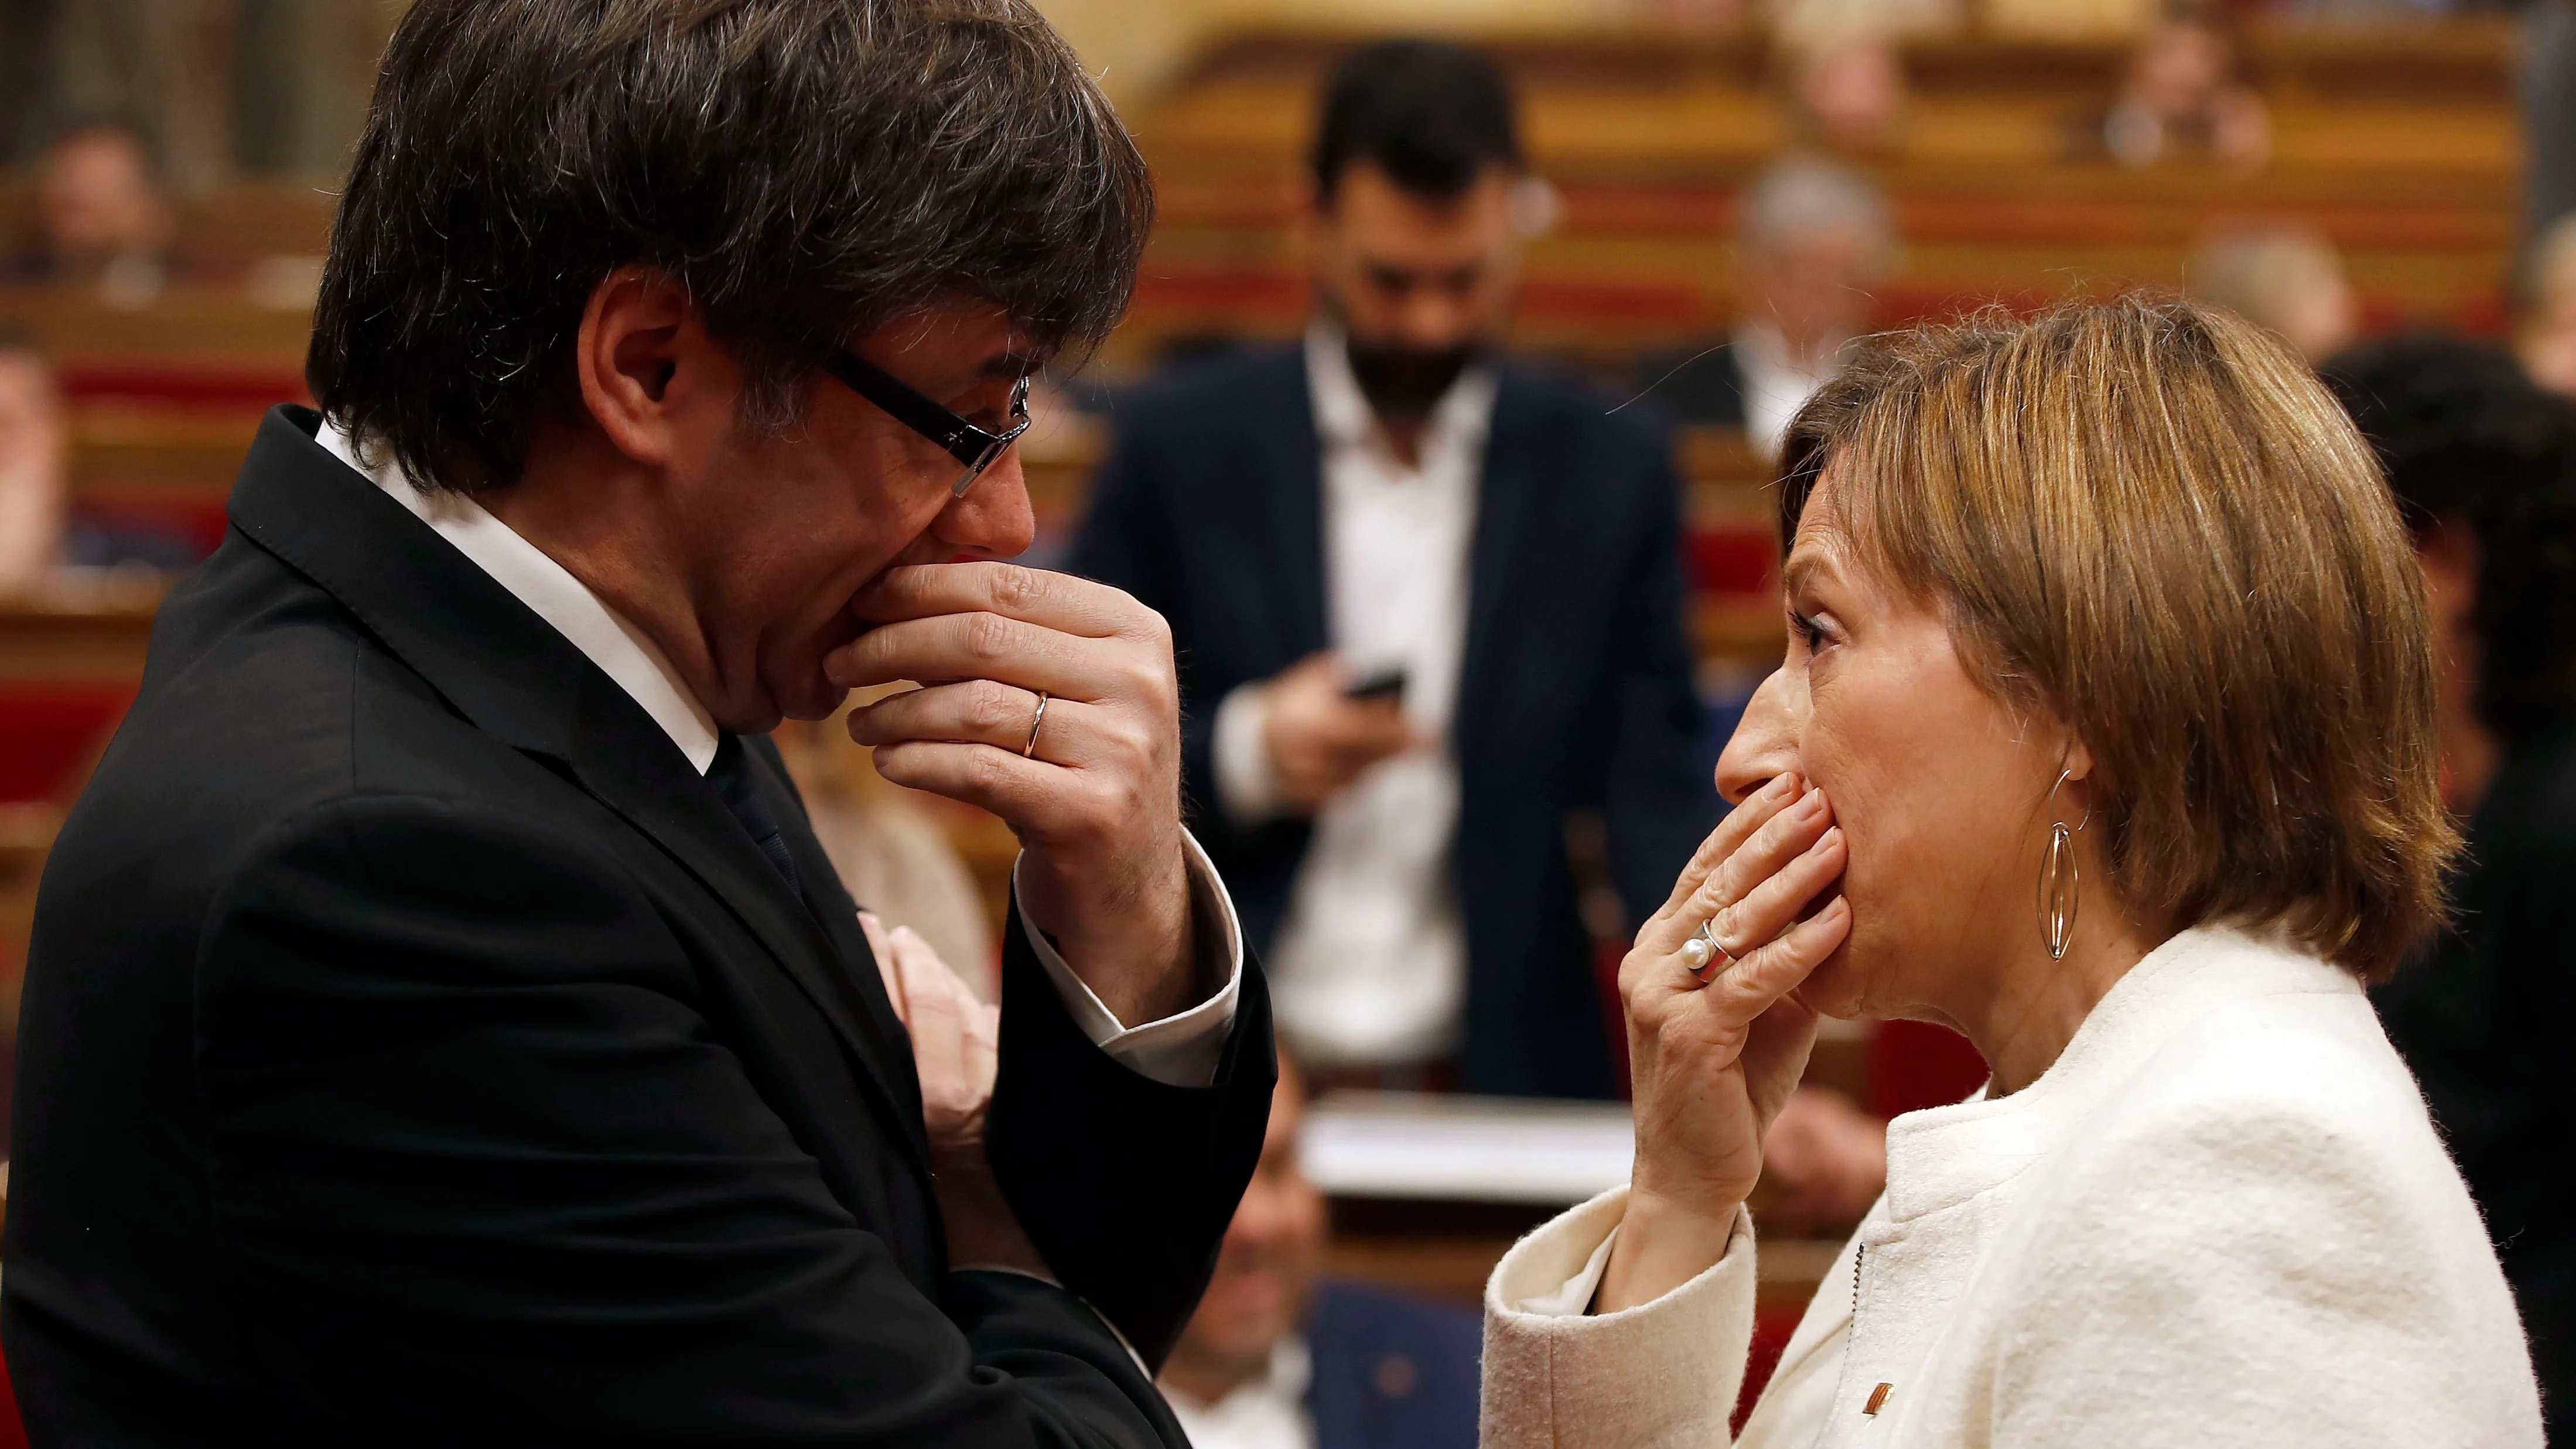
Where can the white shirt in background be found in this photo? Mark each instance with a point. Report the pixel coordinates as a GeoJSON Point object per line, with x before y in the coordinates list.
{"type": "Point", "coordinates": [1268, 1412]}
{"type": "Point", "coordinates": [1370, 968]}
{"type": "Point", "coordinates": [1776, 385]}
{"type": "Point", "coordinates": [1179, 1050]}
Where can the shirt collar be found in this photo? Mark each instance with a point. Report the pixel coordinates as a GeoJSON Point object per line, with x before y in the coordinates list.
{"type": "Point", "coordinates": [1343, 416]}
{"type": "Point", "coordinates": [622, 651]}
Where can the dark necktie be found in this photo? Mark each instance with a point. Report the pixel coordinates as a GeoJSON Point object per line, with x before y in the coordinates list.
{"type": "Point", "coordinates": [731, 775]}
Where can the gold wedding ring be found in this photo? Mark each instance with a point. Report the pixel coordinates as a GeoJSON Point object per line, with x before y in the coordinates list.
{"type": "Point", "coordinates": [1037, 722]}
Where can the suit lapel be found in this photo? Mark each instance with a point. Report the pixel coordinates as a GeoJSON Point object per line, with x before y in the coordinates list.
{"type": "Point", "coordinates": [1289, 456]}
{"type": "Point", "coordinates": [838, 918]}
{"type": "Point", "coordinates": [625, 760]}
{"type": "Point", "coordinates": [1504, 507]}
{"type": "Point", "coordinates": [450, 622]}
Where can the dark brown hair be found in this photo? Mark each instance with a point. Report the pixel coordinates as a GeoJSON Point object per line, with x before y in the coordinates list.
{"type": "Point", "coordinates": [2147, 519]}
{"type": "Point", "coordinates": [807, 169]}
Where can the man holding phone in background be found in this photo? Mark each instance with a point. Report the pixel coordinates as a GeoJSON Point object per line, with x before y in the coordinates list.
{"type": "Point", "coordinates": [1428, 604]}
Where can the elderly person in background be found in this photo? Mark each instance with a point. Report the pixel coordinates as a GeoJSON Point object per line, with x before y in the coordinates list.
{"type": "Point", "coordinates": [2106, 736]}
{"type": "Point", "coordinates": [1812, 239]}
{"type": "Point", "coordinates": [32, 453]}
{"type": "Point", "coordinates": [2286, 278]}
{"type": "Point", "coordinates": [1276, 1359]}
{"type": "Point", "coordinates": [2480, 461]}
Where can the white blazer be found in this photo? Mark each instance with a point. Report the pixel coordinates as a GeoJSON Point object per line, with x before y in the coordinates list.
{"type": "Point", "coordinates": [2222, 1218]}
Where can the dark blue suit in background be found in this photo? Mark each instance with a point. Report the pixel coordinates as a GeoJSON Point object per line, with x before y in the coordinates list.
{"type": "Point", "coordinates": [1390, 1372]}
{"type": "Point", "coordinates": [1575, 694]}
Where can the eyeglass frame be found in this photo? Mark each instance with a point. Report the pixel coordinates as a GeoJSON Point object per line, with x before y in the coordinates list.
{"type": "Point", "coordinates": [976, 447]}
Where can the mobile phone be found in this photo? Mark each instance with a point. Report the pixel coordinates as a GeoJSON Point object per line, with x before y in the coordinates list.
{"type": "Point", "coordinates": [1386, 683]}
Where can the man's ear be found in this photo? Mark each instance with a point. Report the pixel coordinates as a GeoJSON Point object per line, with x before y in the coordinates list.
{"type": "Point", "coordinates": [646, 361]}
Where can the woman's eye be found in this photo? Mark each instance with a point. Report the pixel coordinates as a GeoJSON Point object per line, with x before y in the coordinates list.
{"type": "Point", "coordinates": [1809, 631]}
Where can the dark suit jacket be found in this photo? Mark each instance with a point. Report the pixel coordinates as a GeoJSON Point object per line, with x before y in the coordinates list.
{"type": "Point", "coordinates": [1390, 1372]}
{"type": "Point", "coordinates": [1701, 385]}
{"type": "Point", "coordinates": [2483, 1017]}
{"type": "Point", "coordinates": [416, 1050]}
{"type": "Point", "coordinates": [1575, 693]}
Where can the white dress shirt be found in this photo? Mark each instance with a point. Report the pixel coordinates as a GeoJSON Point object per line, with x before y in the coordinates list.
{"type": "Point", "coordinates": [1179, 1050]}
{"type": "Point", "coordinates": [1776, 384]}
{"type": "Point", "coordinates": [1370, 968]}
{"type": "Point", "coordinates": [1265, 1412]}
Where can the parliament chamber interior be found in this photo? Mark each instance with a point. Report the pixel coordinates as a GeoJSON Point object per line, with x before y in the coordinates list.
{"type": "Point", "coordinates": [2388, 140]}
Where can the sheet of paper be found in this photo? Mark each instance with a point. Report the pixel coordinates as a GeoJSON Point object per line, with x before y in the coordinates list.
{"type": "Point", "coordinates": [1466, 1149]}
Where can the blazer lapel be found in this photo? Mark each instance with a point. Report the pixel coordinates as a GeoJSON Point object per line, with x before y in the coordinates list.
{"type": "Point", "coordinates": [450, 622]}
{"type": "Point", "coordinates": [1289, 457]}
{"type": "Point", "coordinates": [1504, 507]}
{"type": "Point", "coordinates": [838, 915]}
{"type": "Point", "coordinates": [624, 759]}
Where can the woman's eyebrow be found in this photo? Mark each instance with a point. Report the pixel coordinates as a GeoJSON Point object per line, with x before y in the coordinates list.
{"type": "Point", "coordinates": [1805, 565]}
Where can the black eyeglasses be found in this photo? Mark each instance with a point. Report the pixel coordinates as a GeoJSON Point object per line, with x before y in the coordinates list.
{"type": "Point", "coordinates": [975, 447]}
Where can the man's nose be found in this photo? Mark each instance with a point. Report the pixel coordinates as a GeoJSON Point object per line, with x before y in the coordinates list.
{"type": "Point", "coordinates": [1765, 742]}
{"type": "Point", "coordinates": [995, 519]}
{"type": "Point", "coordinates": [1434, 319]}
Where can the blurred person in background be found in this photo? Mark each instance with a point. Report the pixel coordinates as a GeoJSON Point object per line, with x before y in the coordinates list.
{"type": "Point", "coordinates": [1279, 1358]}
{"type": "Point", "coordinates": [2480, 461]}
{"type": "Point", "coordinates": [1428, 603]}
{"type": "Point", "coordinates": [1849, 96]}
{"type": "Point", "coordinates": [2182, 98]}
{"type": "Point", "coordinates": [33, 449]}
{"type": "Point", "coordinates": [1812, 239]}
{"type": "Point", "coordinates": [2546, 340]}
{"type": "Point", "coordinates": [102, 220]}
{"type": "Point", "coordinates": [2284, 278]}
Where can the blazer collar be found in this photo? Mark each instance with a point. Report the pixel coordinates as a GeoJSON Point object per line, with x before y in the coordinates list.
{"type": "Point", "coordinates": [1943, 1156]}
{"type": "Point", "coordinates": [510, 673]}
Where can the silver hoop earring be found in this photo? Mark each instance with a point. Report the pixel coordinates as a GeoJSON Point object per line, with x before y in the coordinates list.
{"type": "Point", "coordinates": [2059, 879]}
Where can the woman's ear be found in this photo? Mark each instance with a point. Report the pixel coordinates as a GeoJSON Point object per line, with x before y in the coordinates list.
{"type": "Point", "coordinates": [2078, 791]}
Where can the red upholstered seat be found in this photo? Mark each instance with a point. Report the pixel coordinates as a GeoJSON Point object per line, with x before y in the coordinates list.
{"type": "Point", "coordinates": [13, 1433]}
{"type": "Point", "coordinates": [47, 731]}
{"type": "Point", "coordinates": [1914, 1065]}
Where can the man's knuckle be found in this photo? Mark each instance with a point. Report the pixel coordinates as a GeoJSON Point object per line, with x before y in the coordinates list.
{"type": "Point", "coordinates": [990, 770]}
{"type": "Point", "coordinates": [1019, 587]}
{"type": "Point", "coordinates": [988, 637]}
{"type": "Point", "coordinates": [988, 706]}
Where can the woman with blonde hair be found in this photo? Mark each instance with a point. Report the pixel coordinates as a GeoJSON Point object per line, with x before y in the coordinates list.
{"type": "Point", "coordinates": [2106, 737]}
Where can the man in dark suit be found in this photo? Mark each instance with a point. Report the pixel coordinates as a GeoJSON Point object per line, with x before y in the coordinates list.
{"type": "Point", "coordinates": [1276, 1356]}
{"type": "Point", "coordinates": [442, 1026]}
{"type": "Point", "coordinates": [1429, 605]}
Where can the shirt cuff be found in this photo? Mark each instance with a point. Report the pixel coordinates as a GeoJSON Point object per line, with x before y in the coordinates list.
{"type": "Point", "coordinates": [1574, 1296]}
{"type": "Point", "coordinates": [1180, 1050]}
{"type": "Point", "coordinates": [1247, 783]}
